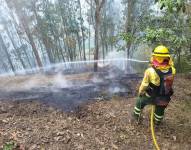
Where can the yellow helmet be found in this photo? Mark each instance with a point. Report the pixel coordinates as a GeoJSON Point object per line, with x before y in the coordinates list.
{"type": "Point", "coordinates": [161, 51]}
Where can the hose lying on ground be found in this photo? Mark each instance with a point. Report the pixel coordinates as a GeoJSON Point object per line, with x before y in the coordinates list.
{"type": "Point", "coordinates": [152, 128]}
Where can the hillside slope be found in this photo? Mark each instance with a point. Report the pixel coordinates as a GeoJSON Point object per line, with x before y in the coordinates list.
{"type": "Point", "coordinates": [97, 125]}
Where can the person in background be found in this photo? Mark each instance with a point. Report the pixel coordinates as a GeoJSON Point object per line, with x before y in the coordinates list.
{"type": "Point", "coordinates": [156, 87]}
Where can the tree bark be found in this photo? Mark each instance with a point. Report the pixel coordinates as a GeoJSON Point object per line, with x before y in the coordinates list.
{"type": "Point", "coordinates": [20, 38]}
{"type": "Point", "coordinates": [66, 35]}
{"type": "Point", "coordinates": [99, 5]}
{"type": "Point", "coordinates": [31, 41]}
{"type": "Point", "coordinates": [15, 47]}
{"type": "Point", "coordinates": [89, 40]}
{"type": "Point", "coordinates": [82, 30]}
{"type": "Point", "coordinates": [179, 60]}
{"type": "Point", "coordinates": [23, 21]}
{"type": "Point", "coordinates": [129, 25]}
{"type": "Point", "coordinates": [7, 54]}
{"type": "Point", "coordinates": [45, 39]}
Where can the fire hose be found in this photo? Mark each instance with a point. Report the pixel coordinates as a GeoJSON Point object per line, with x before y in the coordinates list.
{"type": "Point", "coordinates": [152, 128]}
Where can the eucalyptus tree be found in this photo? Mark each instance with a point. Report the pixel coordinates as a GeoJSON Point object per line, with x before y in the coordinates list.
{"type": "Point", "coordinates": [109, 22]}
{"type": "Point", "coordinates": [95, 18]}
{"type": "Point", "coordinates": [99, 4]}
{"type": "Point", "coordinates": [91, 23]}
{"type": "Point", "coordinates": [16, 48]}
{"type": "Point", "coordinates": [72, 28]}
{"type": "Point", "coordinates": [52, 20]}
{"type": "Point", "coordinates": [41, 29]}
{"type": "Point", "coordinates": [4, 48]}
{"type": "Point", "coordinates": [82, 27]}
{"type": "Point", "coordinates": [135, 15]}
{"type": "Point", "coordinates": [8, 28]}
{"type": "Point", "coordinates": [18, 38]}
{"type": "Point", "coordinates": [23, 15]}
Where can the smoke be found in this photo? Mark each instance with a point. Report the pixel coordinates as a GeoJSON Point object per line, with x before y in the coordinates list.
{"type": "Point", "coordinates": [59, 81]}
{"type": "Point", "coordinates": [35, 81]}
{"type": "Point", "coordinates": [73, 81]}
{"type": "Point", "coordinates": [115, 54]}
{"type": "Point", "coordinates": [96, 79]}
{"type": "Point", "coordinates": [29, 83]}
{"type": "Point", "coordinates": [110, 62]}
{"type": "Point", "coordinates": [116, 89]}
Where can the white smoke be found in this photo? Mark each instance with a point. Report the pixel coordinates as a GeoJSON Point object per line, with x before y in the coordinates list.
{"type": "Point", "coordinates": [114, 58]}
{"type": "Point", "coordinates": [97, 79]}
{"type": "Point", "coordinates": [29, 82]}
{"type": "Point", "coordinates": [59, 81]}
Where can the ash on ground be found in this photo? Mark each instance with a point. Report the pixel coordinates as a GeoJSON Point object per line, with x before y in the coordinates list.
{"type": "Point", "coordinates": [64, 90]}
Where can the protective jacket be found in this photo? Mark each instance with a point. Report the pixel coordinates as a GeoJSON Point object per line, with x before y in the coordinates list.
{"type": "Point", "coordinates": [158, 84]}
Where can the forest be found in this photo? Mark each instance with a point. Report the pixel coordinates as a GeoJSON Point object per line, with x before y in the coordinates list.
{"type": "Point", "coordinates": [39, 33]}
{"type": "Point", "coordinates": [71, 73]}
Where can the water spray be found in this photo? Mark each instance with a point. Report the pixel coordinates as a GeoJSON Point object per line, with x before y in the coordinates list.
{"type": "Point", "coordinates": [35, 70]}
{"type": "Point", "coordinates": [67, 64]}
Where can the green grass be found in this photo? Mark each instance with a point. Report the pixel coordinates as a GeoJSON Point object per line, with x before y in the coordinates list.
{"type": "Point", "coordinates": [9, 145]}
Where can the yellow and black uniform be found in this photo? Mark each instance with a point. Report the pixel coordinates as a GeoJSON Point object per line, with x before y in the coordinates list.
{"type": "Point", "coordinates": [156, 86]}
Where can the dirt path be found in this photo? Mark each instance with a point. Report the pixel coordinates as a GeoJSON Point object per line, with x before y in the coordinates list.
{"type": "Point", "coordinates": [97, 125]}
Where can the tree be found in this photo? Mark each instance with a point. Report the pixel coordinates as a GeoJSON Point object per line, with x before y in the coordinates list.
{"type": "Point", "coordinates": [41, 31]}
{"type": "Point", "coordinates": [82, 30]}
{"type": "Point", "coordinates": [99, 4]}
{"type": "Point", "coordinates": [23, 20]}
{"type": "Point", "coordinates": [171, 29]}
{"type": "Point", "coordinates": [4, 48]}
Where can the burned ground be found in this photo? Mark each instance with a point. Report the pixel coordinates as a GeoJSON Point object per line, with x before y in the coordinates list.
{"type": "Point", "coordinates": [100, 124]}
{"type": "Point", "coordinates": [65, 91]}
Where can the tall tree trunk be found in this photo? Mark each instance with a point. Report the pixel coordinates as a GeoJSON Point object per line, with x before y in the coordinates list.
{"type": "Point", "coordinates": [32, 43]}
{"type": "Point", "coordinates": [99, 5]}
{"type": "Point", "coordinates": [15, 47]}
{"type": "Point", "coordinates": [6, 69]}
{"type": "Point", "coordinates": [25, 52]}
{"type": "Point", "coordinates": [20, 38]}
{"type": "Point", "coordinates": [42, 51]}
{"type": "Point", "coordinates": [23, 21]}
{"type": "Point", "coordinates": [105, 29]}
{"type": "Point", "coordinates": [89, 40]}
{"type": "Point", "coordinates": [3, 46]}
{"type": "Point", "coordinates": [82, 30]}
{"type": "Point", "coordinates": [103, 45]}
{"type": "Point", "coordinates": [79, 45]}
{"type": "Point", "coordinates": [91, 20]}
{"type": "Point", "coordinates": [45, 39]}
{"type": "Point", "coordinates": [96, 52]}
{"type": "Point", "coordinates": [179, 60]}
{"type": "Point", "coordinates": [55, 38]}
{"type": "Point", "coordinates": [129, 25]}
{"type": "Point", "coordinates": [61, 51]}
{"type": "Point", "coordinates": [65, 33]}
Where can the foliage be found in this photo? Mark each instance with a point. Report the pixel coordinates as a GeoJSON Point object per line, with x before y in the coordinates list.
{"type": "Point", "coordinates": [63, 30]}
{"type": "Point", "coordinates": [9, 145]}
{"type": "Point", "coordinates": [128, 37]}
{"type": "Point", "coordinates": [164, 36]}
{"type": "Point", "coordinates": [172, 5]}
{"type": "Point", "coordinates": [185, 65]}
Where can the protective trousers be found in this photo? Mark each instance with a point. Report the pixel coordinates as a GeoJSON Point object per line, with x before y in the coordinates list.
{"type": "Point", "coordinates": [142, 101]}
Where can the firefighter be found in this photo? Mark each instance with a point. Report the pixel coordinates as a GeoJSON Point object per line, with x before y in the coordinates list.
{"type": "Point", "coordinates": [156, 87]}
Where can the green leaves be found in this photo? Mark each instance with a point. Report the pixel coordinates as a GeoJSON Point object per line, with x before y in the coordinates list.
{"type": "Point", "coordinates": [164, 36]}
{"type": "Point", "coordinates": [9, 145]}
{"type": "Point", "coordinates": [128, 37]}
{"type": "Point", "coordinates": [172, 5]}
